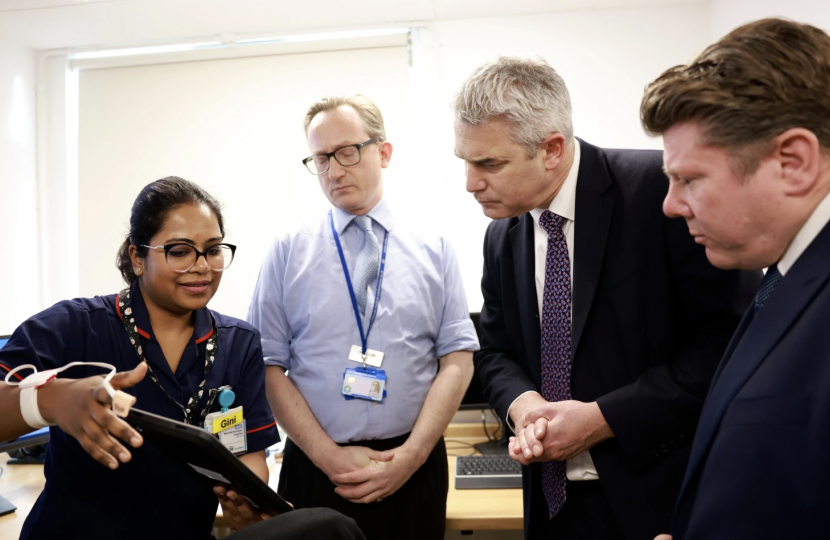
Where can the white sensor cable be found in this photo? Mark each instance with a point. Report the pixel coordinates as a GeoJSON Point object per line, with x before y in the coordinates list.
{"type": "Point", "coordinates": [121, 401]}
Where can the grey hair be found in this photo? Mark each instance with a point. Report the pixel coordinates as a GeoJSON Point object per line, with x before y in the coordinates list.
{"type": "Point", "coordinates": [527, 93]}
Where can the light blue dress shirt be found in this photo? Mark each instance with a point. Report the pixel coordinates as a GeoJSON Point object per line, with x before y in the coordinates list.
{"type": "Point", "coordinates": [301, 305]}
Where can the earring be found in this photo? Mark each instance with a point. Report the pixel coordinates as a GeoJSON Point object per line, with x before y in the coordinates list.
{"type": "Point", "coordinates": [137, 270]}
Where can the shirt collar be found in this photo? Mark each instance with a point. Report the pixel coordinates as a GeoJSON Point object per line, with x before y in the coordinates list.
{"type": "Point", "coordinates": [381, 213]}
{"type": "Point", "coordinates": [564, 204]}
{"type": "Point", "coordinates": [808, 232]}
{"type": "Point", "coordinates": [202, 329]}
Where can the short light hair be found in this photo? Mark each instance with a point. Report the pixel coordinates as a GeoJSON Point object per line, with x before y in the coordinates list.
{"type": "Point", "coordinates": [526, 93]}
{"type": "Point", "coordinates": [365, 108]}
{"type": "Point", "coordinates": [755, 83]}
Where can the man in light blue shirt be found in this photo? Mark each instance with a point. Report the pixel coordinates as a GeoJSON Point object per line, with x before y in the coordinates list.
{"type": "Point", "coordinates": [323, 287]}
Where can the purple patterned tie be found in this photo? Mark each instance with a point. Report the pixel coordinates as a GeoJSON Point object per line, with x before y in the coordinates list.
{"type": "Point", "coordinates": [556, 344]}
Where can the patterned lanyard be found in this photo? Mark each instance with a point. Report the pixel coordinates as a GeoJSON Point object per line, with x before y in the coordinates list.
{"type": "Point", "coordinates": [211, 351]}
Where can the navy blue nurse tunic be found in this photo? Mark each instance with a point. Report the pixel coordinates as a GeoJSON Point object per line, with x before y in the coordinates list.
{"type": "Point", "coordinates": [152, 496]}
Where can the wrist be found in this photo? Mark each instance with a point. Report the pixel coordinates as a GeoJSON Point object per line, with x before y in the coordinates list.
{"type": "Point", "coordinates": [523, 405]}
{"type": "Point", "coordinates": [415, 451]}
{"type": "Point", "coordinates": [49, 399]}
{"type": "Point", "coordinates": [325, 455]}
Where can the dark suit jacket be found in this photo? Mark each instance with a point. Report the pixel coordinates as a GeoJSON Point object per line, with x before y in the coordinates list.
{"type": "Point", "coordinates": [651, 319]}
{"type": "Point", "coordinates": [760, 463]}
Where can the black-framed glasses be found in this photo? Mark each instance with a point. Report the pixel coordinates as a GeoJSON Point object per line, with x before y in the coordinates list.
{"type": "Point", "coordinates": [183, 257]}
{"type": "Point", "coordinates": [347, 156]}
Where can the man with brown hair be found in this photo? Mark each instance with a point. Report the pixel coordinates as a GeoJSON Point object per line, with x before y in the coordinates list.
{"type": "Point", "coordinates": [746, 130]}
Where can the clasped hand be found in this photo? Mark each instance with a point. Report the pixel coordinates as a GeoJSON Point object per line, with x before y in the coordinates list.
{"type": "Point", "coordinates": [558, 431]}
{"type": "Point", "coordinates": [363, 475]}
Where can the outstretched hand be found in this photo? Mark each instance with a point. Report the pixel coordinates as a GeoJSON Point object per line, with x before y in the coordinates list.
{"type": "Point", "coordinates": [82, 408]}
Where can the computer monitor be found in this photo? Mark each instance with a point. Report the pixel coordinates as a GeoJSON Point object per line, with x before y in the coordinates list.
{"type": "Point", "coordinates": [474, 400]}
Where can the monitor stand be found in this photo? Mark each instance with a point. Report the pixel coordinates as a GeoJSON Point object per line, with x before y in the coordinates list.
{"type": "Point", "coordinates": [496, 445]}
{"type": "Point", "coordinates": [6, 507]}
{"type": "Point", "coordinates": [492, 447]}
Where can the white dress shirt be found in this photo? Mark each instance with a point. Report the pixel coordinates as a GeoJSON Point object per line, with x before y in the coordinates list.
{"type": "Point", "coordinates": [564, 204]}
{"type": "Point", "coordinates": [808, 232]}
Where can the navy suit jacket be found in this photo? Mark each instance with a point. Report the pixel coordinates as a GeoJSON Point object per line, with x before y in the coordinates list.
{"type": "Point", "coordinates": [651, 319]}
{"type": "Point", "coordinates": [760, 462]}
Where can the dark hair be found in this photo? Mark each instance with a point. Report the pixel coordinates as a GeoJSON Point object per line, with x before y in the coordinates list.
{"type": "Point", "coordinates": [755, 83]}
{"type": "Point", "coordinates": [150, 210]}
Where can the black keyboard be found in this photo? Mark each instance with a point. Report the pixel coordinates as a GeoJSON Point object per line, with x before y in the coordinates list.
{"type": "Point", "coordinates": [487, 472]}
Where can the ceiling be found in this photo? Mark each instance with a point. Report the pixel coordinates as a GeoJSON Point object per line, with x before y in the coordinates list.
{"type": "Point", "coordinates": [54, 24]}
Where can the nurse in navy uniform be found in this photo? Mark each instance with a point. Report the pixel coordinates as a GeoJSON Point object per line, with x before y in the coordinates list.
{"type": "Point", "coordinates": [175, 356]}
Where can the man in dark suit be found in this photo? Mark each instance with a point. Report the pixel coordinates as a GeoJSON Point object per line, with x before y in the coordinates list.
{"type": "Point", "coordinates": [602, 322]}
{"type": "Point", "coordinates": [746, 130]}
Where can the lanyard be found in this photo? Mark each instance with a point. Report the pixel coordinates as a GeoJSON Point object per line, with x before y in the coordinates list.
{"type": "Point", "coordinates": [212, 349]}
{"type": "Point", "coordinates": [364, 338]}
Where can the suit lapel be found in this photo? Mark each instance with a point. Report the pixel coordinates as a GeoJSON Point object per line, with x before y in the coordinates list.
{"type": "Point", "coordinates": [591, 226]}
{"type": "Point", "coordinates": [793, 294]}
{"type": "Point", "coordinates": [524, 266]}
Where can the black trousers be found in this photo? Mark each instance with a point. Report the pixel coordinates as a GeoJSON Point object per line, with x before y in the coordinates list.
{"type": "Point", "coordinates": [417, 511]}
{"type": "Point", "coordinates": [311, 523]}
{"type": "Point", "coordinates": [586, 515]}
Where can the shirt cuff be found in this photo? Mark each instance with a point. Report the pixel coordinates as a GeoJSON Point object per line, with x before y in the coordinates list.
{"type": "Point", "coordinates": [507, 421]}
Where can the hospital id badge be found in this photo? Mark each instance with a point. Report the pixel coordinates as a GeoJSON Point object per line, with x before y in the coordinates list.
{"type": "Point", "coordinates": [229, 427]}
{"type": "Point", "coordinates": [364, 383]}
{"type": "Point", "coordinates": [373, 358]}
{"type": "Point", "coordinates": [235, 439]}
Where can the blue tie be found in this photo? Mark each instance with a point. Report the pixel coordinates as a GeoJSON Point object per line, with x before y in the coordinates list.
{"type": "Point", "coordinates": [556, 345]}
{"type": "Point", "coordinates": [768, 285]}
{"type": "Point", "coordinates": [368, 262]}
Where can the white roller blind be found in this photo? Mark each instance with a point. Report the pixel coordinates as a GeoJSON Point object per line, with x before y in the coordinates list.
{"type": "Point", "coordinates": [235, 127]}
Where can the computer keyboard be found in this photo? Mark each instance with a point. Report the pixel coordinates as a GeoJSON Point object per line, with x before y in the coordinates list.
{"type": "Point", "coordinates": [487, 472]}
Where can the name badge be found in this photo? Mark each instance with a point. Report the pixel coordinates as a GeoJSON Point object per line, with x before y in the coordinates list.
{"type": "Point", "coordinates": [368, 383]}
{"type": "Point", "coordinates": [229, 428]}
{"type": "Point", "coordinates": [373, 358]}
{"type": "Point", "coordinates": [235, 438]}
{"type": "Point", "coordinates": [220, 421]}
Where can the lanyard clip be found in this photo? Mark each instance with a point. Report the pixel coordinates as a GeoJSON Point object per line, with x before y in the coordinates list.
{"type": "Point", "coordinates": [364, 360]}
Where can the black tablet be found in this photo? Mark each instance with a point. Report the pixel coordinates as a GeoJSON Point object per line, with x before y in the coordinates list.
{"type": "Point", "coordinates": [204, 454]}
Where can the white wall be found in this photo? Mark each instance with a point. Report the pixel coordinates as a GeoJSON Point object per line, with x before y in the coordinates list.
{"type": "Point", "coordinates": [19, 255]}
{"type": "Point", "coordinates": [138, 124]}
{"type": "Point", "coordinates": [606, 58]}
{"type": "Point", "coordinates": [232, 126]}
{"type": "Point", "coordinates": [725, 15]}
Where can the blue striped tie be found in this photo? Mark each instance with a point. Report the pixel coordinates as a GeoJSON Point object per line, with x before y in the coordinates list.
{"type": "Point", "coordinates": [368, 262]}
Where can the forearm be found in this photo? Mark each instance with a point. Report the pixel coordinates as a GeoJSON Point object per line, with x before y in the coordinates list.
{"type": "Point", "coordinates": [256, 462]}
{"type": "Point", "coordinates": [441, 403]}
{"type": "Point", "coordinates": [295, 417]}
{"type": "Point", "coordinates": [12, 425]}
{"type": "Point", "coordinates": [49, 397]}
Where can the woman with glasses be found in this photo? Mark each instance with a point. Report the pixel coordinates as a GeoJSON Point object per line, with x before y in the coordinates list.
{"type": "Point", "coordinates": [175, 356]}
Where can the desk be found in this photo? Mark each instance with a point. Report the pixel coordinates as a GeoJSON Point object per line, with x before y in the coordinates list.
{"type": "Point", "coordinates": [467, 509]}
{"type": "Point", "coordinates": [21, 485]}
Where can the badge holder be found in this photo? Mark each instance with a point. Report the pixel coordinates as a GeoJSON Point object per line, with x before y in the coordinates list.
{"type": "Point", "coordinates": [228, 425]}
{"type": "Point", "coordinates": [364, 383]}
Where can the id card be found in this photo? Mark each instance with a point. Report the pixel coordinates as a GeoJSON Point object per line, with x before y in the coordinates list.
{"type": "Point", "coordinates": [235, 439]}
{"type": "Point", "coordinates": [368, 383]}
{"type": "Point", "coordinates": [373, 358]}
{"type": "Point", "coordinates": [218, 422]}
{"type": "Point", "coordinates": [229, 428]}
